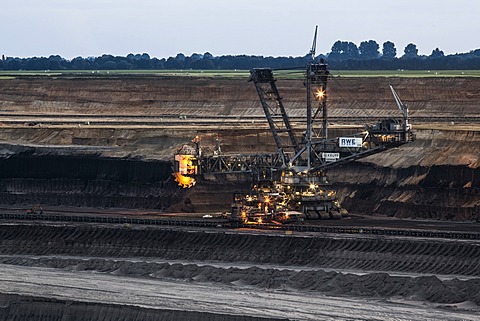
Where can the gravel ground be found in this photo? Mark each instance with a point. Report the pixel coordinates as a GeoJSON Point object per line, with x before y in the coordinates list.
{"type": "Point", "coordinates": [226, 274]}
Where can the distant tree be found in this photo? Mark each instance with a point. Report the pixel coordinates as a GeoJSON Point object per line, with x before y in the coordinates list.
{"type": "Point", "coordinates": [343, 50]}
{"type": "Point", "coordinates": [175, 63]}
{"type": "Point", "coordinates": [180, 57]}
{"type": "Point", "coordinates": [411, 51]}
{"type": "Point", "coordinates": [55, 62]}
{"type": "Point", "coordinates": [103, 59]}
{"type": "Point", "coordinates": [368, 49]}
{"type": "Point", "coordinates": [137, 61]}
{"type": "Point", "coordinates": [144, 56]}
{"type": "Point", "coordinates": [108, 65]}
{"type": "Point", "coordinates": [351, 50]}
{"type": "Point", "coordinates": [389, 50]}
{"type": "Point", "coordinates": [80, 63]}
{"type": "Point", "coordinates": [37, 63]}
{"type": "Point", "coordinates": [56, 58]}
{"type": "Point", "coordinates": [337, 50]}
{"type": "Point", "coordinates": [208, 56]}
{"type": "Point", "coordinates": [196, 56]}
{"type": "Point", "coordinates": [158, 64]}
{"type": "Point", "coordinates": [124, 65]}
{"type": "Point", "coordinates": [190, 61]}
{"type": "Point", "coordinates": [344, 56]}
{"type": "Point", "coordinates": [436, 53]}
{"type": "Point", "coordinates": [143, 63]}
{"type": "Point", "coordinates": [206, 64]}
{"type": "Point", "coordinates": [13, 64]}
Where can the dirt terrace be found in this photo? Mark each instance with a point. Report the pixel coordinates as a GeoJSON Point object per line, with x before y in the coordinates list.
{"type": "Point", "coordinates": [130, 95]}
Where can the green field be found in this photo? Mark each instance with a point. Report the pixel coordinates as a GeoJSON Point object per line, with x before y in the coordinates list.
{"type": "Point", "coordinates": [281, 74]}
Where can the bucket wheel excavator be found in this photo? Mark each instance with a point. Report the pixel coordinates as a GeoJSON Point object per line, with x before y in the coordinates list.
{"type": "Point", "coordinates": [292, 184]}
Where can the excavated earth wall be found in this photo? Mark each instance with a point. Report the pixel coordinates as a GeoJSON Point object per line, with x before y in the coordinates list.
{"type": "Point", "coordinates": [144, 95]}
{"type": "Point", "coordinates": [437, 176]}
{"type": "Point", "coordinates": [83, 181]}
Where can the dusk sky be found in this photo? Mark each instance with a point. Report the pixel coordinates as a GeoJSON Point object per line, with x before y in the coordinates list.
{"type": "Point", "coordinates": [72, 28]}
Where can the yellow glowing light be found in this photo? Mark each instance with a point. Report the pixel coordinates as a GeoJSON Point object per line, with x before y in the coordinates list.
{"type": "Point", "coordinates": [331, 193]}
{"type": "Point", "coordinates": [184, 181]}
{"type": "Point", "coordinates": [319, 94]}
{"type": "Point", "coordinates": [312, 186]}
{"type": "Point", "coordinates": [186, 169]}
{"type": "Point", "coordinates": [259, 220]}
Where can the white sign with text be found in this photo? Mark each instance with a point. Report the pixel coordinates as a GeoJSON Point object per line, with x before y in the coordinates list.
{"type": "Point", "coordinates": [349, 142]}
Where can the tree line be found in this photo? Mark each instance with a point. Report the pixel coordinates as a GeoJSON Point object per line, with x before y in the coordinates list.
{"type": "Point", "coordinates": [344, 55]}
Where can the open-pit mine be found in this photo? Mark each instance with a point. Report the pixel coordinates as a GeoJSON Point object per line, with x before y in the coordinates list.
{"type": "Point", "coordinates": [96, 222]}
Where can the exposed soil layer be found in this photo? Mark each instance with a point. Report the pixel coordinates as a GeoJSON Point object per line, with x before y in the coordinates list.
{"type": "Point", "coordinates": [435, 177]}
{"type": "Point", "coordinates": [131, 95]}
{"type": "Point", "coordinates": [87, 181]}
